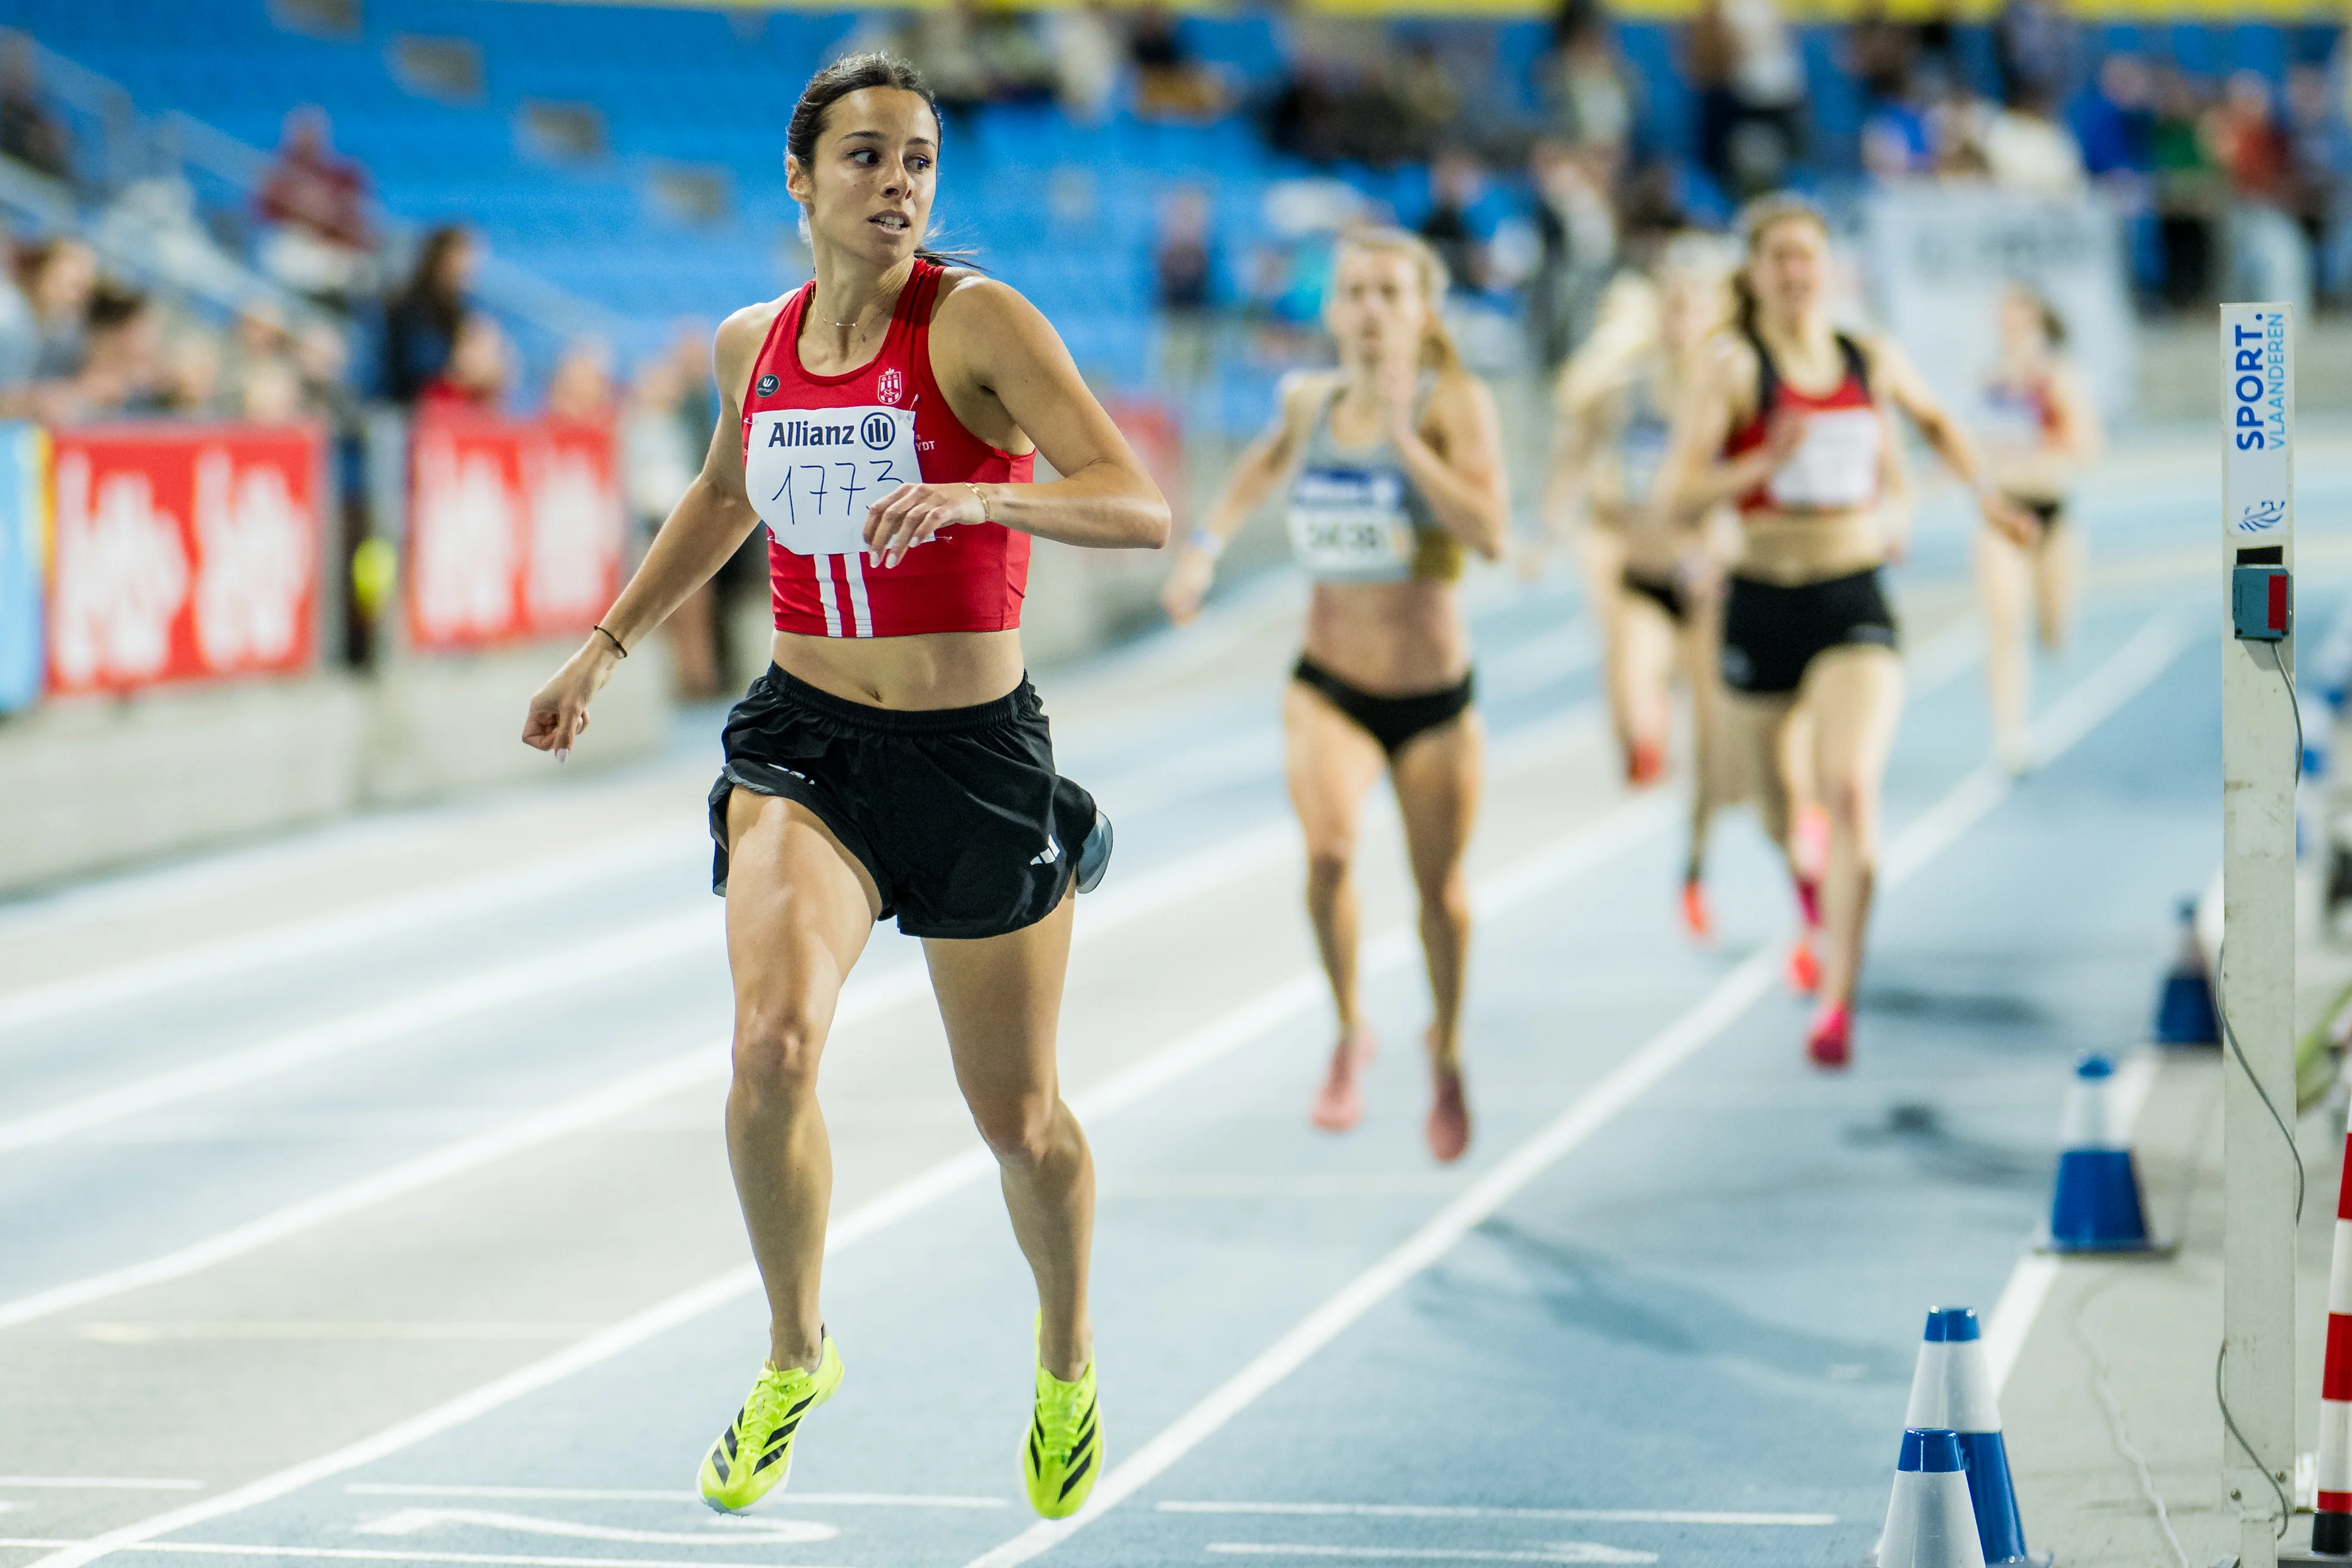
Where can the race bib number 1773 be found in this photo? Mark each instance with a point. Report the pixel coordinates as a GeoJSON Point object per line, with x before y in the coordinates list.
{"type": "Point", "coordinates": [813, 472]}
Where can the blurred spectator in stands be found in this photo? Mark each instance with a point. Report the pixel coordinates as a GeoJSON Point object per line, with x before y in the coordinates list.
{"type": "Point", "coordinates": [2321, 162]}
{"type": "Point", "coordinates": [272, 394]}
{"type": "Point", "coordinates": [257, 343]}
{"type": "Point", "coordinates": [421, 325]}
{"type": "Point", "coordinates": [1457, 181]}
{"type": "Point", "coordinates": [1586, 78]}
{"type": "Point", "coordinates": [1183, 281]}
{"type": "Point", "coordinates": [28, 131]}
{"type": "Point", "coordinates": [2027, 149]}
{"type": "Point", "coordinates": [1897, 143]}
{"type": "Point", "coordinates": [2034, 48]}
{"type": "Point", "coordinates": [320, 244]}
{"type": "Point", "coordinates": [1880, 53]}
{"type": "Point", "coordinates": [581, 386]}
{"type": "Point", "coordinates": [1751, 82]}
{"type": "Point", "coordinates": [1013, 53]}
{"type": "Point", "coordinates": [1169, 83]}
{"type": "Point", "coordinates": [1957, 124]}
{"type": "Point", "coordinates": [2268, 257]}
{"type": "Point", "coordinates": [1577, 234]}
{"type": "Point", "coordinates": [2188, 190]}
{"type": "Point", "coordinates": [122, 372]}
{"type": "Point", "coordinates": [321, 359]}
{"type": "Point", "coordinates": [659, 459]}
{"type": "Point", "coordinates": [2116, 125]}
{"type": "Point", "coordinates": [1428, 102]}
{"type": "Point", "coordinates": [61, 282]}
{"type": "Point", "coordinates": [938, 41]}
{"type": "Point", "coordinates": [20, 332]}
{"type": "Point", "coordinates": [1303, 119]}
{"type": "Point", "coordinates": [1088, 52]}
{"type": "Point", "coordinates": [478, 373]}
{"type": "Point", "coordinates": [189, 382]}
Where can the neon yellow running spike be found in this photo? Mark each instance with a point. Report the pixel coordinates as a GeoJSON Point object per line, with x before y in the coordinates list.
{"type": "Point", "coordinates": [1061, 1455]}
{"type": "Point", "coordinates": [754, 1455]}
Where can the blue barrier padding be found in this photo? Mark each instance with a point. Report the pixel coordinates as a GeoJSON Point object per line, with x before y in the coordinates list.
{"type": "Point", "coordinates": [24, 554]}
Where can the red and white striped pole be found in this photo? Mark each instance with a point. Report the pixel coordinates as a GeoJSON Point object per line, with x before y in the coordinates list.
{"type": "Point", "coordinates": [2331, 1524]}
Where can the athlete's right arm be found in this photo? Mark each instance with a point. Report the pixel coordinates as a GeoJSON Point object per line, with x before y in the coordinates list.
{"type": "Point", "coordinates": [1260, 470]}
{"type": "Point", "coordinates": [709, 524]}
{"type": "Point", "coordinates": [1577, 434]}
{"type": "Point", "coordinates": [1696, 476]}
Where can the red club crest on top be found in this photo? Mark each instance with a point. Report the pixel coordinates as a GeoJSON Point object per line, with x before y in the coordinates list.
{"type": "Point", "coordinates": [890, 387]}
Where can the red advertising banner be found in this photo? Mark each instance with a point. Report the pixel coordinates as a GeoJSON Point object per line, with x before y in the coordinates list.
{"type": "Point", "coordinates": [514, 530]}
{"type": "Point", "coordinates": [183, 552]}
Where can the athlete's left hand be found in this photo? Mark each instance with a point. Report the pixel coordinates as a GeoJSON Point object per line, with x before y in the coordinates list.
{"type": "Point", "coordinates": [1399, 382]}
{"type": "Point", "coordinates": [2010, 519]}
{"type": "Point", "coordinates": [912, 514]}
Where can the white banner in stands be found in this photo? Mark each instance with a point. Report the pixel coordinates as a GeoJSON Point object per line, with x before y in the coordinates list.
{"type": "Point", "coordinates": [1938, 257]}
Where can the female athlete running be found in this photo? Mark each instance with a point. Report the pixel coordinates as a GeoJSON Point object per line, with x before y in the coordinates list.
{"type": "Point", "coordinates": [1649, 574]}
{"type": "Point", "coordinates": [2040, 431]}
{"type": "Point", "coordinates": [882, 421]}
{"type": "Point", "coordinates": [1394, 467]}
{"type": "Point", "coordinates": [1789, 423]}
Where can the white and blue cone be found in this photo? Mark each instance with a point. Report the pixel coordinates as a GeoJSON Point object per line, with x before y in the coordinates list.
{"type": "Point", "coordinates": [1930, 1521]}
{"type": "Point", "coordinates": [1951, 1389]}
{"type": "Point", "coordinates": [2096, 1205]}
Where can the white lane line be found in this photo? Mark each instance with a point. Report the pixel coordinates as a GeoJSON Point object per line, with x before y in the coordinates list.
{"type": "Point", "coordinates": [357, 1329]}
{"type": "Point", "coordinates": [105, 1483]}
{"type": "Point", "coordinates": [770, 1532]}
{"type": "Point", "coordinates": [1936, 829]}
{"type": "Point", "coordinates": [1288, 999]}
{"type": "Point", "coordinates": [1551, 1551]}
{"type": "Point", "coordinates": [377, 1555]}
{"type": "Point", "coordinates": [2013, 1316]}
{"type": "Point", "coordinates": [1439, 1510]}
{"type": "Point", "coordinates": [469, 899]}
{"type": "Point", "coordinates": [566, 970]}
{"type": "Point", "coordinates": [650, 1494]}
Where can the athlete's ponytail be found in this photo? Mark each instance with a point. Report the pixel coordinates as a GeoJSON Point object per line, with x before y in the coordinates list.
{"type": "Point", "coordinates": [1437, 350]}
{"type": "Point", "coordinates": [855, 73]}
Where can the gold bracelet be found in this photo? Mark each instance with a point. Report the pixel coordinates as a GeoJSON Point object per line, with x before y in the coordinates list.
{"type": "Point", "coordinates": [981, 496]}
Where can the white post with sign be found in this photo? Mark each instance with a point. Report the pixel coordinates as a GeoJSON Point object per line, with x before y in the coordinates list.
{"type": "Point", "coordinates": [2259, 753]}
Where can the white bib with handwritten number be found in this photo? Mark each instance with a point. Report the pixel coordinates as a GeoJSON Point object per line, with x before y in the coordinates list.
{"type": "Point", "coordinates": [1351, 523]}
{"type": "Point", "coordinates": [1836, 464]}
{"type": "Point", "coordinates": [813, 472]}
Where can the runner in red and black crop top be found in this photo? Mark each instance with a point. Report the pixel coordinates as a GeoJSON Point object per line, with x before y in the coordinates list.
{"type": "Point", "coordinates": [883, 421]}
{"type": "Point", "coordinates": [1790, 422]}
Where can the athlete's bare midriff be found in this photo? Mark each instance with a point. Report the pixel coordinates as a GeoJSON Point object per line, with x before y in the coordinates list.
{"type": "Point", "coordinates": [926, 671]}
{"type": "Point", "coordinates": [1390, 640]}
{"type": "Point", "coordinates": [1789, 549]}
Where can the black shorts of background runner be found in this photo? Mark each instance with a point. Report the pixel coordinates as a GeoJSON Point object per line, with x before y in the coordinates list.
{"type": "Point", "coordinates": [2050, 513]}
{"type": "Point", "coordinates": [1772, 632]}
{"type": "Point", "coordinates": [956, 812]}
{"type": "Point", "coordinates": [1666, 593]}
{"type": "Point", "coordinates": [1394, 722]}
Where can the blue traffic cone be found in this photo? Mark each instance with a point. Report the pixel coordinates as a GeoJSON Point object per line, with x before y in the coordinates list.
{"type": "Point", "coordinates": [2185, 1015]}
{"type": "Point", "coordinates": [1930, 1521]}
{"type": "Point", "coordinates": [2096, 1206]}
{"type": "Point", "coordinates": [1952, 1388]}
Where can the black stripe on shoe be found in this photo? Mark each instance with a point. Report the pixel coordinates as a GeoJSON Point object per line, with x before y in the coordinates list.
{"type": "Point", "coordinates": [1084, 1465]}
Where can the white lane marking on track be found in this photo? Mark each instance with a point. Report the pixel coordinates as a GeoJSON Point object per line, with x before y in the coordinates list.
{"type": "Point", "coordinates": [2013, 1315]}
{"type": "Point", "coordinates": [1551, 1551]}
{"type": "Point", "coordinates": [648, 1494]}
{"type": "Point", "coordinates": [1439, 1510]}
{"type": "Point", "coordinates": [567, 970]}
{"type": "Point", "coordinates": [105, 1483]}
{"type": "Point", "coordinates": [261, 1329]}
{"type": "Point", "coordinates": [1966, 803]}
{"type": "Point", "coordinates": [777, 1532]}
{"type": "Point", "coordinates": [392, 1554]}
{"type": "Point", "coordinates": [472, 898]}
{"type": "Point", "coordinates": [1616, 831]}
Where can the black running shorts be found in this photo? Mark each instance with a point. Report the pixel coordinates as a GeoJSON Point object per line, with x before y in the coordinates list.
{"type": "Point", "coordinates": [1772, 632]}
{"type": "Point", "coordinates": [1395, 722]}
{"type": "Point", "coordinates": [956, 812]}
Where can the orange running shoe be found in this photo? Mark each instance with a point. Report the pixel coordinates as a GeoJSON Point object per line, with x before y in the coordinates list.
{"type": "Point", "coordinates": [1449, 1116]}
{"type": "Point", "coordinates": [1805, 969]}
{"type": "Point", "coordinates": [1828, 1044]}
{"type": "Point", "coordinates": [1340, 1103]}
{"type": "Point", "coordinates": [1645, 764]}
{"type": "Point", "coordinates": [1698, 921]}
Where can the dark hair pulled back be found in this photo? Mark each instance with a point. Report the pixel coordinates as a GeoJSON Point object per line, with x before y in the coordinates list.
{"type": "Point", "coordinates": [855, 73]}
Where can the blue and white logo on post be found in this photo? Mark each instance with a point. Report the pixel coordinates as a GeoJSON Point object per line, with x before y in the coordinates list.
{"type": "Point", "coordinates": [2257, 418]}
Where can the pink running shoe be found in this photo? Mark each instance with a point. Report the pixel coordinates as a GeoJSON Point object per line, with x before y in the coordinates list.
{"type": "Point", "coordinates": [1449, 1116]}
{"type": "Point", "coordinates": [1340, 1103]}
{"type": "Point", "coordinates": [1804, 968]}
{"type": "Point", "coordinates": [1829, 1043]}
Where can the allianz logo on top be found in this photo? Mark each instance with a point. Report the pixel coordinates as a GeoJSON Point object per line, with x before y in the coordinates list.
{"type": "Point", "coordinates": [875, 432]}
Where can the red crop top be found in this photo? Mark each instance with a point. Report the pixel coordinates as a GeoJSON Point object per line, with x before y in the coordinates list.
{"type": "Point", "coordinates": [1836, 466]}
{"type": "Point", "coordinates": [819, 449]}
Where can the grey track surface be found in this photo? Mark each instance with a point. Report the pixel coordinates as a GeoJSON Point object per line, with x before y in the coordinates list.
{"type": "Point", "coordinates": [304, 1142]}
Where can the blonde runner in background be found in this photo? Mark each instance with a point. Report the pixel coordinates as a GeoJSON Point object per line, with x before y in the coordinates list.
{"type": "Point", "coordinates": [1651, 576]}
{"type": "Point", "coordinates": [1393, 467]}
{"type": "Point", "coordinates": [2040, 429]}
